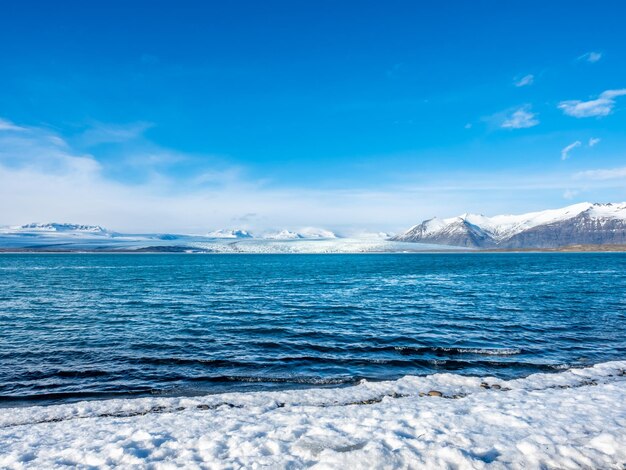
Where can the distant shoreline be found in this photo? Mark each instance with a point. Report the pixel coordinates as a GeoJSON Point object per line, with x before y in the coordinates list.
{"type": "Point", "coordinates": [193, 250]}
{"type": "Point", "coordinates": [563, 249]}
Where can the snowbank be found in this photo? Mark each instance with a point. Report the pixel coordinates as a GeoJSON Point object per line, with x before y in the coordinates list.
{"type": "Point", "coordinates": [572, 419]}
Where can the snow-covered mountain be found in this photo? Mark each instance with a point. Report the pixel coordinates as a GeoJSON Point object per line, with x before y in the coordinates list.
{"type": "Point", "coordinates": [65, 230]}
{"type": "Point", "coordinates": [282, 235]}
{"type": "Point", "coordinates": [583, 223]}
{"type": "Point", "coordinates": [307, 233]}
{"type": "Point", "coordinates": [229, 233]}
{"type": "Point", "coordinates": [578, 224]}
{"type": "Point", "coordinates": [314, 232]}
{"type": "Point", "coordinates": [55, 228]}
{"type": "Point", "coordinates": [303, 234]}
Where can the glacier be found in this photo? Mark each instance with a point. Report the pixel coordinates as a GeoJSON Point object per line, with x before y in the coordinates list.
{"type": "Point", "coordinates": [577, 224]}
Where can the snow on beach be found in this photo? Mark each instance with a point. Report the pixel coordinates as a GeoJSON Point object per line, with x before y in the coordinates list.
{"type": "Point", "coordinates": [572, 419]}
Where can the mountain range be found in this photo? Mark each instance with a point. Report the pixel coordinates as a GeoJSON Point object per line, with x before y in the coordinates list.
{"type": "Point", "coordinates": [55, 228]}
{"type": "Point", "coordinates": [579, 224]}
{"type": "Point", "coordinates": [79, 230]}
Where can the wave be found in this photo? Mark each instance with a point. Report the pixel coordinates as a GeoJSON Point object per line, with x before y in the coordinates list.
{"type": "Point", "coordinates": [361, 392]}
{"type": "Point", "coordinates": [452, 350]}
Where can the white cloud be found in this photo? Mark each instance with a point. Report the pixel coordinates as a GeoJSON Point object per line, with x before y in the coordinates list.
{"type": "Point", "coordinates": [611, 94]}
{"type": "Point", "coordinates": [602, 174]}
{"type": "Point", "coordinates": [100, 133]}
{"type": "Point", "coordinates": [591, 57]}
{"type": "Point", "coordinates": [43, 178]}
{"type": "Point", "coordinates": [601, 106]}
{"type": "Point", "coordinates": [38, 148]}
{"type": "Point", "coordinates": [525, 80]}
{"type": "Point", "coordinates": [593, 142]}
{"type": "Point", "coordinates": [521, 119]}
{"type": "Point", "coordinates": [9, 126]}
{"type": "Point", "coordinates": [566, 150]}
{"type": "Point", "coordinates": [570, 193]}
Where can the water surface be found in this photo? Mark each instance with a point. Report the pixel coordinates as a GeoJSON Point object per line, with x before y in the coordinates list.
{"type": "Point", "coordinates": [75, 326]}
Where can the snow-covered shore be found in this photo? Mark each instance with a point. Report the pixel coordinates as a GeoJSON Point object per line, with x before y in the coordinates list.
{"type": "Point", "coordinates": [571, 419]}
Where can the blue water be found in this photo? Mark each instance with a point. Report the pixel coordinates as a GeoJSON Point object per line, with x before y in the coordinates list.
{"type": "Point", "coordinates": [76, 326]}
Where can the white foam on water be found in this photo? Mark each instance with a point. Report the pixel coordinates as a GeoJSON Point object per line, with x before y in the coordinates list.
{"type": "Point", "coordinates": [571, 419]}
{"type": "Point", "coordinates": [485, 351]}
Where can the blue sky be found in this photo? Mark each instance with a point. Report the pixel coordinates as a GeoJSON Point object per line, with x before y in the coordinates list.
{"type": "Point", "coordinates": [350, 115]}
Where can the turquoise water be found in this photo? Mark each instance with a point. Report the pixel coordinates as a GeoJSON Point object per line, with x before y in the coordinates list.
{"type": "Point", "coordinates": [75, 326]}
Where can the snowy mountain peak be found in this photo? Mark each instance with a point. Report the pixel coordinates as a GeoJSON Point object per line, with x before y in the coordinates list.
{"type": "Point", "coordinates": [282, 235]}
{"type": "Point", "coordinates": [305, 233]}
{"type": "Point", "coordinates": [229, 233]}
{"type": "Point", "coordinates": [580, 223]}
{"type": "Point", "coordinates": [314, 232]}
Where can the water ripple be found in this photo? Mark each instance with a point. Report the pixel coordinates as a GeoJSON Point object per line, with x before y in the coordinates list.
{"type": "Point", "coordinates": [86, 326]}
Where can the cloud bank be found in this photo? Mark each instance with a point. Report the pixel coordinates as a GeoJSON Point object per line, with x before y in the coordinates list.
{"type": "Point", "coordinates": [9, 126]}
{"type": "Point", "coordinates": [603, 174]}
{"type": "Point", "coordinates": [44, 178]}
